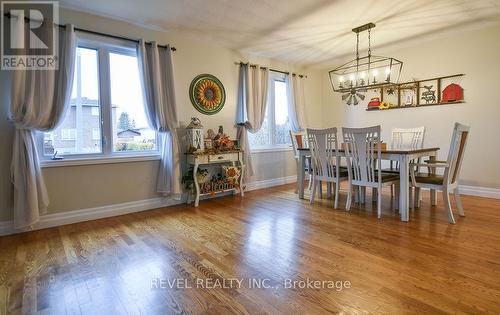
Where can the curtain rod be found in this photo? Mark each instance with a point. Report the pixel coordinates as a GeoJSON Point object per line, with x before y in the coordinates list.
{"type": "Point", "coordinates": [273, 70]}
{"type": "Point", "coordinates": [26, 19]}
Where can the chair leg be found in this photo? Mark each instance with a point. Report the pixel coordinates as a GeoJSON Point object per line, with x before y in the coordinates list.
{"type": "Point", "coordinates": [297, 183]}
{"type": "Point", "coordinates": [356, 193]}
{"type": "Point", "coordinates": [337, 184]}
{"type": "Point", "coordinates": [458, 201]}
{"type": "Point", "coordinates": [310, 182]}
{"type": "Point", "coordinates": [328, 190]}
{"type": "Point", "coordinates": [313, 192]}
{"type": "Point", "coordinates": [349, 197]}
{"type": "Point", "coordinates": [320, 189]}
{"type": "Point", "coordinates": [447, 204]}
{"type": "Point", "coordinates": [396, 200]}
{"type": "Point", "coordinates": [379, 203]}
{"type": "Point", "coordinates": [410, 198]}
{"type": "Point", "coordinates": [418, 197]}
{"type": "Point", "coordinates": [374, 194]}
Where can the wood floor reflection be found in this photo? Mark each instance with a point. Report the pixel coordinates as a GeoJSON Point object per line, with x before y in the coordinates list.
{"type": "Point", "coordinates": [168, 261]}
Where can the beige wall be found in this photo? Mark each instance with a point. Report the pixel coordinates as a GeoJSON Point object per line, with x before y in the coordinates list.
{"type": "Point", "coordinates": [79, 187]}
{"type": "Point", "coordinates": [475, 53]}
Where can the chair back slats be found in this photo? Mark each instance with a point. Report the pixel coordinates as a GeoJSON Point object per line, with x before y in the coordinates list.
{"type": "Point", "coordinates": [299, 140]}
{"type": "Point", "coordinates": [363, 152]}
{"type": "Point", "coordinates": [323, 146]}
{"type": "Point", "coordinates": [407, 138]}
{"type": "Point", "coordinates": [457, 149]}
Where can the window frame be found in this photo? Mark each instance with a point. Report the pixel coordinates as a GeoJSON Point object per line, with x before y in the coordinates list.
{"type": "Point", "coordinates": [94, 109]}
{"type": "Point", "coordinates": [104, 46]}
{"type": "Point", "coordinates": [271, 116]}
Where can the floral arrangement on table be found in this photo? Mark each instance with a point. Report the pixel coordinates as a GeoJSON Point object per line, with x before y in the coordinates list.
{"type": "Point", "coordinates": [219, 142]}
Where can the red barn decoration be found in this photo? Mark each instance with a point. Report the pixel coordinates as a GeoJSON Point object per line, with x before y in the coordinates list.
{"type": "Point", "coordinates": [452, 93]}
{"type": "Point", "coordinates": [374, 103]}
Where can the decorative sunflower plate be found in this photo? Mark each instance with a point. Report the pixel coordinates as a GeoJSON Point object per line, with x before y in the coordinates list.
{"type": "Point", "coordinates": [207, 94]}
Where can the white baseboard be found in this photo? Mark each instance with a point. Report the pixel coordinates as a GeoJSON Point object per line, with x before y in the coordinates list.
{"type": "Point", "coordinates": [270, 183]}
{"type": "Point", "coordinates": [69, 217]}
{"type": "Point", "coordinates": [75, 216]}
{"type": "Point", "coordinates": [480, 191]}
{"type": "Point", "coordinates": [6, 228]}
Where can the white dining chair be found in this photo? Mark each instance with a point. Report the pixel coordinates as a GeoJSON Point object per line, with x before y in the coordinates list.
{"type": "Point", "coordinates": [448, 182]}
{"type": "Point", "coordinates": [325, 159]}
{"type": "Point", "coordinates": [406, 138]}
{"type": "Point", "coordinates": [363, 155]}
{"type": "Point", "coordinates": [299, 140]}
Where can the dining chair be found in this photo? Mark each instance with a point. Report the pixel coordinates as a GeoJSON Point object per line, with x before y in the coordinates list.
{"type": "Point", "coordinates": [448, 182]}
{"type": "Point", "coordinates": [325, 158]}
{"type": "Point", "coordinates": [363, 155]}
{"type": "Point", "coordinates": [299, 140]}
{"type": "Point", "coordinates": [406, 138]}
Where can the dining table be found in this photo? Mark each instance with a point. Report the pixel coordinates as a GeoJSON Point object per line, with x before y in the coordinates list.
{"type": "Point", "coordinates": [403, 156]}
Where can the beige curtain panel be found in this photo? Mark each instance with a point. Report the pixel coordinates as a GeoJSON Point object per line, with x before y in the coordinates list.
{"type": "Point", "coordinates": [39, 100]}
{"type": "Point", "coordinates": [159, 100]}
{"type": "Point", "coordinates": [296, 102]}
{"type": "Point", "coordinates": [253, 88]}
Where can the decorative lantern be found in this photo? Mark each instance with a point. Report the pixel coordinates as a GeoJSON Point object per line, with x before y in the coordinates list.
{"type": "Point", "coordinates": [195, 135]}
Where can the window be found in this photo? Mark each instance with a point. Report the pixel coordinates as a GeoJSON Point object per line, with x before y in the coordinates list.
{"type": "Point", "coordinates": [275, 131]}
{"type": "Point", "coordinates": [68, 134]}
{"type": "Point", "coordinates": [131, 131]}
{"type": "Point", "coordinates": [106, 115]}
{"type": "Point", "coordinates": [96, 134]}
{"type": "Point", "coordinates": [74, 134]}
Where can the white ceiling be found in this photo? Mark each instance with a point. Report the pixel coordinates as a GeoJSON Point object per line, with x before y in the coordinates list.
{"type": "Point", "coordinates": [300, 31]}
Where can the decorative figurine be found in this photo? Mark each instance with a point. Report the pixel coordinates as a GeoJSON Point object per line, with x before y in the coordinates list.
{"type": "Point", "coordinates": [210, 134]}
{"type": "Point", "coordinates": [208, 144]}
{"type": "Point", "coordinates": [409, 97]}
{"type": "Point", "coordinates": [429, 96]}
{"type": "Point", "coordinates": [219, 134]}
{"type": "Point", "coordinates": [453, 93]}
{"type": "Point", "coordinates": [374, 102]}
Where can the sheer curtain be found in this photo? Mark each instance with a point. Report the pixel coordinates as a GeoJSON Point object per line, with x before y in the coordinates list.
{"type": "Point", "coordinates": [253, 95]}
{"type": "Point", "coordinates": [159, 100]}
{"type": "Point", "coordinates": [296, 102]}
{"type": "Point", "coordinates": [39, 100]}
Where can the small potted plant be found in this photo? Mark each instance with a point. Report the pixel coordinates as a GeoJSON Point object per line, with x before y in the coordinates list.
{"type": "Point", "coordinates": [188, 179]}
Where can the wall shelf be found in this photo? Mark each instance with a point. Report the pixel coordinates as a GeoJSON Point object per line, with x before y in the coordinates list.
{"type": "Point", "coordinates": [421, 105]}
{"type": "Point", "coordinates": [418, 93]}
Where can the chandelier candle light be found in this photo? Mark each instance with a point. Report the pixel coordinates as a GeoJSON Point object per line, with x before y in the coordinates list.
{"type": "Point", "coordinates": [362, 73]}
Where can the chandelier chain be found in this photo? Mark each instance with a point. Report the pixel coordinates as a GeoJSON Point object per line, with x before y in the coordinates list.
{"type": "Point", "coordinates": [369, 42]}
{"type": "Point", "coordinates": [357, 45]}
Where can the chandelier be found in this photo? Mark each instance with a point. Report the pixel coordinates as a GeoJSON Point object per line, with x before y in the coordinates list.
{"type": "Point", "coordinates": [363, 73]}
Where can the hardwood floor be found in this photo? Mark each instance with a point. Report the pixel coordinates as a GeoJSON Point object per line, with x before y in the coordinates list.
{"type": "Point", "coordinates": [126, 264]}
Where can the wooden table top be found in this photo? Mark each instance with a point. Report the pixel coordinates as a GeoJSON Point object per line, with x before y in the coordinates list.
{"type": "Point", "coordinates": [393, 151]}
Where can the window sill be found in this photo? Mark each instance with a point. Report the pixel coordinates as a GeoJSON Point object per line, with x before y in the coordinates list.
{"type": "Point", "coordinates": [272, 149]}
{"type": "Point", "coordinates": [99, 160]}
